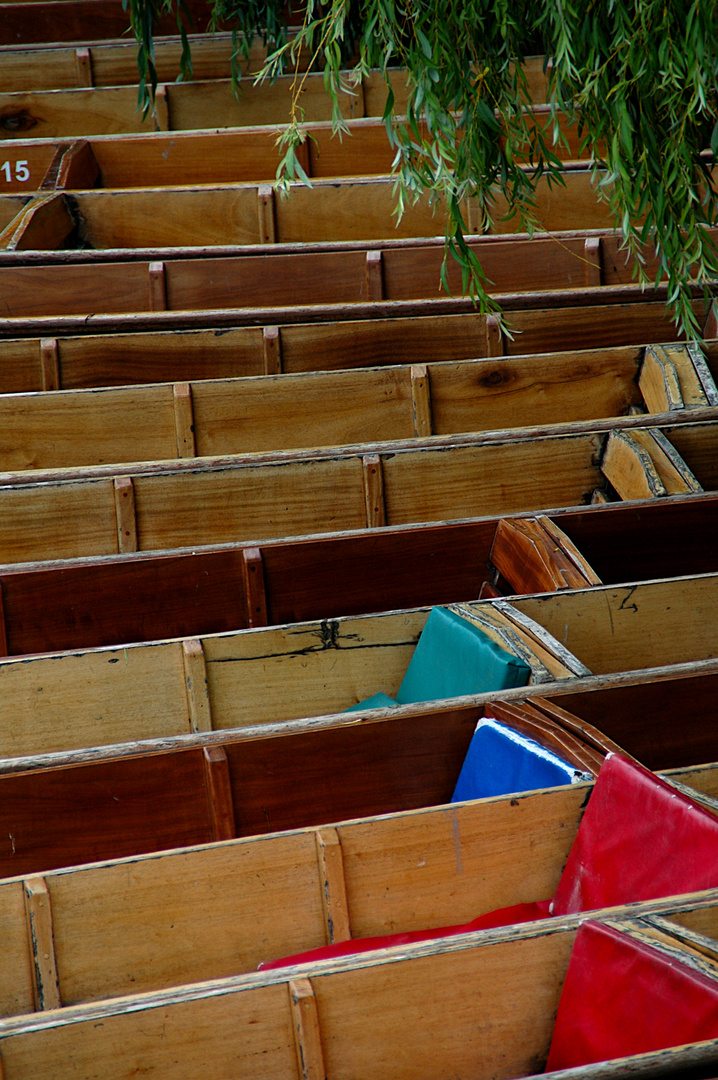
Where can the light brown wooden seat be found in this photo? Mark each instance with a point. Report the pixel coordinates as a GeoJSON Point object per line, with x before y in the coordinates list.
{"type": "Point", "coordinates": [95, 350]}
{"type": "Point", "coordinates": [252, 678]}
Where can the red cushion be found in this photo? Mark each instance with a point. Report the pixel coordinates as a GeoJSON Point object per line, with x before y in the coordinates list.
{"type": "Point", "coordinates": [622, 997]}
{"type": "Point", "coordinates": [639, 839]}
{"type": "Point", "coordinates": [517, 913]}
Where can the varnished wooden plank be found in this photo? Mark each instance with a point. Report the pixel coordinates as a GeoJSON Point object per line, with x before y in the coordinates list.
{"type": "Point", "coordinates": [219, 793]}
{"type": "Point", "coordinates": [78, 167]}
{"type": "Point", "coordinates": [374, 275]}
{"type": "Point", "coordinates": [157, 286]}
{"type": "Point", "coordinates": [593, 270]}
{"type": "Point", "coordinates": [630, 469]}
{"type": "Point", "coordinates": [45, 224]}
{"type": "Point", "coordinates": [265, 211]}
{"type": "Point", "coordinates": [494, 337]}
{"type": "Point", "coordinates": [658, 382]}
{"type": "Point", "coordinates": [421, 400]}
{"type": "Point", "coordinates": [307, 1035]}
{"type": "Point", "coordinates": [271, 350]}
{"type": "Point", "coordinates": [3, 626]}
{"type": "Point", "coordinates": [126, 517]}
{"type": "Point", "coordinates": [254, 585]}
{"type": "Point", "coordinates": [184, 419]}
{"type": "Point", "coordinates": [49, 364]}
{"type": "Point", "coordinates": [42, 944]}
{"type": "Point", "coordinates": [83, 64]}
{"type": "Point", "coordinates": [673, 471]}
{"type": "Point", "coordinates": [373, 475]}
{"type": "Point", "coordinates": [333, 885]}
{"type": "Point", "coordinates": [195, 670]}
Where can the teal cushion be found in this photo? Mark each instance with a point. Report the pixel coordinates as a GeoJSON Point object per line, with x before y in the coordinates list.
{"type": "Point", "coordinates": [376, 701]}
{"type": "Point", "coordinates": [453, 657]}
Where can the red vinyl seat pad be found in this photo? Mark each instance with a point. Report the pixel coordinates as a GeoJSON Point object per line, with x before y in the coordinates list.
{"type": "Point", "coordinates": [623, 997]}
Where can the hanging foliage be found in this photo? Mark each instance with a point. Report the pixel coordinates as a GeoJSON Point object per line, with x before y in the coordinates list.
{"type": "Point", "coordinates": [639, 78]}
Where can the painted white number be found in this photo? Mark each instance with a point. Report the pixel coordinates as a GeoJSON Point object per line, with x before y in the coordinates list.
{"type": "Point", "coordinates": [22, 173]}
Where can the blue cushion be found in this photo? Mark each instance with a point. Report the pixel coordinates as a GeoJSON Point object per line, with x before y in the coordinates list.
{"type": "Point", "coordinates": [502, 761]}
{"type": "Point", "coordinates": [453, 657]}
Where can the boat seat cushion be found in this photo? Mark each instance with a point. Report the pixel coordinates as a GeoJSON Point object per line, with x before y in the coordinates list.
{"type": "Point", "coordinates": [501, 761]}
{"type": "Point", "coordinates": [638, 839]}
{"type": "Point", "coordinates": [623, 997]}
{"type": "Point", "coordinates": [453, 658]}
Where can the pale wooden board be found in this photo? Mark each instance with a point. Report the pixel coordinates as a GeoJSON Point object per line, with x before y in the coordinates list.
{"type": "Point", "coordinates": [573, 206]}
{"type": "Point", "coordinates": [91, 699]}
{"type": "Point", "coordinates": [68, 113]}
{"type": "Point", "coordinates": [76, 519]}
{"type": "Point", "coordinates": [634, 626]}
{"type": "Point", "coordinates": [447, 866]}
{"type": "Point", "coordinates": [163, 218]}
{"type": "Point", "coordinates": [352, 211]}
{"type": "Point", "coordinates": [16, 993]}
{"type": "Point", "coordinates": [149, 923]}
{"type": "Point", "coordinates": [20, 365]}
{"type": "Point", "coordinates": [305, 410]}
{"type": "Point", "coordinates": [532, 390]}
{"type": "Point", "coordinates": [486, 1011]}
{"type": "Point", "coordinates": [241, 1035]}
{"type": "Point", "coordinates": [308, 668]}
{"type": "Point", "coordinates": [249, 503]}
{"type": "Point", "coordinates": [86, 427]}
{"type": "Point", "coordinates": [503, 479]}
{"type": "Point", "coordinates": [212, 104]}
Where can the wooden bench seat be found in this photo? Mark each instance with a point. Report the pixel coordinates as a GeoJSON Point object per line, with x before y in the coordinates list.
{"type": "Point", "coordinates": [226, 154]}
{"type": "Point", "coordinates": [150, 506]}
{"type": "Point", "coordinates": [256, 677]}
{"type": "Point", "coordinates": [373, 1015]}
{"type": "Point", "coordinates": [169, 346]}
{"type": "Point", "coordinates": [267, 276]}
{"type": "Point", "coordinates": [266, 895]}
{"type": "Point", "coordinates": [112, 600]}
{"type": "Point", "coordinates": [287, 412]}
{"type": "Point", "coordinates": [353, 209]}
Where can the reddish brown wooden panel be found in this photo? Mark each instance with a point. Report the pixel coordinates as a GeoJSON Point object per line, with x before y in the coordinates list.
{"type": "Point", "coordinates": [666, 725]}
{"type": "Point", "coordinates": [352, 575]}
{"type": "Point", "coordinates": [108, 604]}
{"type": "Point", "coordinates": [60, 817]}
{"type": "Point", "coordinates": [322, 776]}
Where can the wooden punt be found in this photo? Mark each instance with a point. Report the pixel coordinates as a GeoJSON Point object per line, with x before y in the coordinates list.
{"type": "Point", "coordinates": [247, 153]}
{"type": "Point", "coordinates": [273, 896]}
{"type": "Point", "coordinates": [351, 209]}
{"type": "Point", "coordinates": [154, 506]}
{"type": "Point", "coordinates": [168, 346]}
{"type": "Point", "coordinates": [178, 790]}
{"type": "Point", "coordinates": [269, 275]}
{"type": "Point", "coordinates": [260, 677]}
{"type": "Point", "coordinates": [288, 412]}
{"type": "Point", "coordinates": [86, 603]}
{"type": "Point", "coordinates": [383, 1015]}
